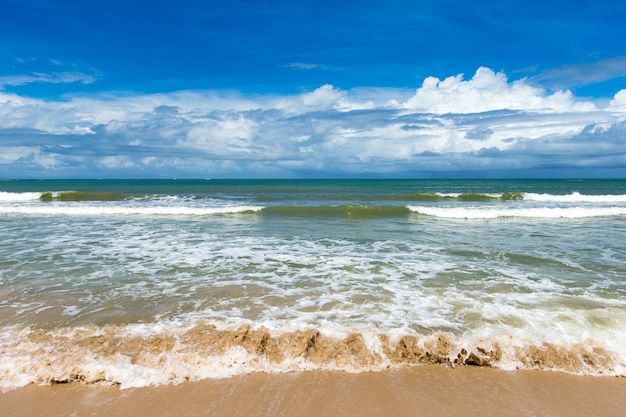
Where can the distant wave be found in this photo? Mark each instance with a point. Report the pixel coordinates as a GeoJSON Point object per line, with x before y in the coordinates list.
{"type": "Point", "coordinates": [576, 198]}
{"type": "Point", "coordinates": [492, 212]}
{"type": "Point", "coordinates": [476, 197]}
{"type": "Point", "coordinates": [342, 211]}
{"type": "Point", "coordinates": [125, 210]}
{"type": "Point", "coordinates": [64, 196]}
{"type": "Point", "coordinates": [10, 197]}
{"type": "Point", "coordinates": [509, 196]}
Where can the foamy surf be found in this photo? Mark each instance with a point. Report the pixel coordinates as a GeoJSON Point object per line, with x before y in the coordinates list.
{"type": "Point", "coordinates": [142, 354]}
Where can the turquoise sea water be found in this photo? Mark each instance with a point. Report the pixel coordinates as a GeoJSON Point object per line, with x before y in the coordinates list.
{"type": "Point", "coordinates": [141, 282]}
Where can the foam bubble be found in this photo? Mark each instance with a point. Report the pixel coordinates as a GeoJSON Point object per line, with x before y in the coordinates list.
{"type": "Point", "coordinates": [72, 310]}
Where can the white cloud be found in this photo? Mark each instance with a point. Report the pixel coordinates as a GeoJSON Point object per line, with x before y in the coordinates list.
{"type": "Point", "coordinates": [115, 162]}
{"type": "Point", "coordinates": [323, 98]}
{"type": "Point", "coordinates": [618, 104]}
{"type": "Point", "coordinates": [485, 122]}
{"type": "Point", "coordinates": [228, 137]}
{"type": "Point", "coordinates": [11, 154]}
{"type": "Point", "coordinates": [489, 91]}
{"type": "Point", "coordinates": [28, 154]}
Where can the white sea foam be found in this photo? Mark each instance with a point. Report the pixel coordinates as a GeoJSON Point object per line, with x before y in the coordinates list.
{"type": "Point", "coordinates": [492, 212]}
{"type": "Point", "coordinates": [575, 198]}
{"type": "Point", "coordinates": [457, 195]}
{"type": "Point", "coordinates": [15, 197]}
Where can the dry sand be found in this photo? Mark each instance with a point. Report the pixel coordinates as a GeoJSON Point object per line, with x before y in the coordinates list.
{"type": "Point", "coordinates": [419, 391]}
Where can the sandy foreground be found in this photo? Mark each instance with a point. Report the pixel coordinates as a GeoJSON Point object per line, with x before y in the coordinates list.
{"type": "Point", "coordinates": [418, 391]}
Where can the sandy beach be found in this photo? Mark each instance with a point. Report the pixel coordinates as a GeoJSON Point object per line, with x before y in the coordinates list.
{"type": "Point", "coordinates": [418, 391]}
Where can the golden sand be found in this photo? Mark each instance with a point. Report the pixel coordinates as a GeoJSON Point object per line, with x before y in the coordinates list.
{"type": "Point", "coordinates": [417, 391]}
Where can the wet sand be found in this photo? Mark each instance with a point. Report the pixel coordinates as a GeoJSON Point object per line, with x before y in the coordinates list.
{"type": "Point", "coordinates": [418, 391]}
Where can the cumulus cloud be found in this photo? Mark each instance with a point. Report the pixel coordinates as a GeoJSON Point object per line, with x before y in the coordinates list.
{"type": "Point", "coordinates": [323, 98]}
{"type": "Point", "coordinates": [484, 123]}
{"type": "Point", "coordinates": [487, 91]}
{"type": "Point", "coordinates": [618, 104]}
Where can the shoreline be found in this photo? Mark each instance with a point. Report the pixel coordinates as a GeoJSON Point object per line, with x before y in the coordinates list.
{"type": "Point", "coordinates": [429, 390]}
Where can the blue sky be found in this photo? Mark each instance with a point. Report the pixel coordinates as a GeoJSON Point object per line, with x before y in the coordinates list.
{"type": "Point", "coordinates": [226, 89]}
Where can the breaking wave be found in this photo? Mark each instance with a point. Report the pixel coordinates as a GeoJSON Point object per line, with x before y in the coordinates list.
{"type": "Point", "coordinates": [343, 211]}
{"type": "Point", "coordinates": [91, 210]}
{"type": "Point", "coordinates": [15, 197]}
{"type": "Point", "coordinates": [470, 197]}
{"type": "Point", "coordinates": [533, 212]}
{"type": "Point", "coordinates": [64, 196]}
{"type": "Point", "coordinates": [574, 197]}
{"type": "Point", "coordinates": [143, 354]}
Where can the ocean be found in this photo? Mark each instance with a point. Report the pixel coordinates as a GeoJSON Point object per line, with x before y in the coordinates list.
{"type": "Point", "coordinates": [148, 282]}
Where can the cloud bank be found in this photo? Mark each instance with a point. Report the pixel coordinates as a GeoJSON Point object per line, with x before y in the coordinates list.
{"type": "Point", "coordinates": [485, 125]}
